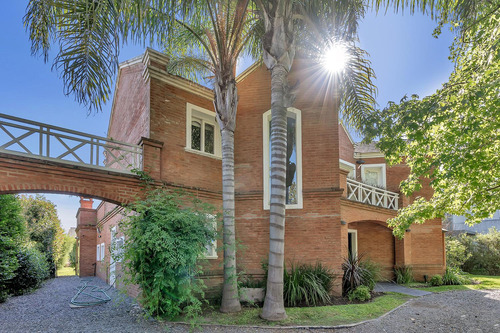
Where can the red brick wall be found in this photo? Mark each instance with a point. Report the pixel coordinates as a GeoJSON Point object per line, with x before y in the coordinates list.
{"type": "Point", "coordinates": [345, 146]}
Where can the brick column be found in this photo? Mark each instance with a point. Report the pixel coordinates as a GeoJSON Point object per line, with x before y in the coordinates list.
{"type": "Point", "coordinates": [151, 157]}
{"type": "Point", "coordinates": [343, 181]}
{"type": "Point", "coordinates": [86, 221]}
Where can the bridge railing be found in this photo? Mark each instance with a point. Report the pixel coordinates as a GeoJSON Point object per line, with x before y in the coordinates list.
{"type": "Point", "coordinates": [30, 138]}
{"type": "Point", "coordinates": [371, 195]}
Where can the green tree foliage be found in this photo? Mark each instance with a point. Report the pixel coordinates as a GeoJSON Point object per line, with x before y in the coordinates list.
{"type": "Point", "coordinates": [451, 137]}
{"type": "Point", "coordinates": [44, 227]}
{"type": "Point", "coordinates": [163, 242]}
{"type": "Point", "coordinates": [12, 232]}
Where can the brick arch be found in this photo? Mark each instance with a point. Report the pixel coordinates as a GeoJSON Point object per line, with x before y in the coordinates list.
{"type": "Point", "coordinates": [376, 241]}
{"type": "Point", "coordinates": [29, 175]}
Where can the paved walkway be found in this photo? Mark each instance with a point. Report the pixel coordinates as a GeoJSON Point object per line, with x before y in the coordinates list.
{"type": "Point", "coordinates": [383, 287]}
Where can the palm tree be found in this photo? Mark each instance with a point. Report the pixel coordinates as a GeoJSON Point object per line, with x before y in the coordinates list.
{"type": "Point", "coordinates": [214, 46]}
{"type": "Point", "coordinates": [281, 19]}
{"type": "Point", "coordinates": [208, 35]}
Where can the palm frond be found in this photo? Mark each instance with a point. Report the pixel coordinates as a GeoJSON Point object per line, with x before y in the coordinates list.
{"type": "Point", "coordinates": [190, 67]}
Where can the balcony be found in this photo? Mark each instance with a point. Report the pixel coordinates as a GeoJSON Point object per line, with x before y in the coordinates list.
{"type": "Point", "coordinates": [371, 195]}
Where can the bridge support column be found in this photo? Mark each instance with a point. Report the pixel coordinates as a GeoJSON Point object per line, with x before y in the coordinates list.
{"type": "Point", "coordinates": [151, 157]}
{"type": "Point", "coordinates": [86, 222]}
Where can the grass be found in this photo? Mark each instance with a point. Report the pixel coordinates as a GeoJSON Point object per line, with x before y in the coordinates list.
{"type": "Point", "coordinates": [313, 316]}
{"type": "Point", "coordinates": [486, 282]}
{"type": "Point", "coordinates": [65, 271]}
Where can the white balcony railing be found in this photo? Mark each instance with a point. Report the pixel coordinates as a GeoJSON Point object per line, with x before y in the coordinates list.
{"type": "Point", "coordinates": [29, 138]}
{"type": "Point", "coordinates": [371, 195]}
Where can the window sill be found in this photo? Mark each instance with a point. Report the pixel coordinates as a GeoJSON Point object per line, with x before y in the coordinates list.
{"type": "Point", "coordinates": [297, 206]}
{"type": "Point", "coordinates": [197, 152]}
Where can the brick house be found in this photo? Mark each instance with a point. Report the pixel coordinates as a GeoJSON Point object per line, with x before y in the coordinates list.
{"type": "Point", "coordinates": [339, 196]}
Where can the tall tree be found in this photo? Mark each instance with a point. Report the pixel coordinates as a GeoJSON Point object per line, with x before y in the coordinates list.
{"type": "Point", "coordinates": [281, 19]}
{"type": "Point", "coordinates": [44, 227]}
{"type": "Point", "coordinates": [451, 137]}
{"type": "Point", "coordinates": [212, 44]}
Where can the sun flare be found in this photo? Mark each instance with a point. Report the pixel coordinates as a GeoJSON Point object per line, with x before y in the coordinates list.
{"type": "Point", "coordinates": [335, 58]}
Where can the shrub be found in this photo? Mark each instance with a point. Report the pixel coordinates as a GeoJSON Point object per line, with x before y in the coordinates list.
{"type": "Point", "coordinates": [357, 272]}
{"type": "Point", "coordinates": [361, 293]}
{"type": "Point", "coordinates": [436, 280]}
{"type": "Point", "coordinates": [307, 284]}
{"type": "Point", "coordinates": [484, 252]}
{"type": "Point", "coordinates": [371, 273]}
{"type": "Point", "coordinates": [33, 269]}
{"type": "Point", "coordinates": [163, 242]}
{"type": "Point", "coordinates": [453, 276]}
{"type": "Point", "coordinates": [404, 274]}
{"type": "Point", "coordinates": [456, 252]}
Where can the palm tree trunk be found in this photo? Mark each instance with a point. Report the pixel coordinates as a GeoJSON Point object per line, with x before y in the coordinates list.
{"type": "Point", "coordinates": [274, 308]}
{"type": "Point", "coordinates": [226, 106]}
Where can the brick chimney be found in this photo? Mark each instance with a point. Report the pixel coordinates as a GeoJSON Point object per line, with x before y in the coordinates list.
{"type": "Point", "coordinates": [86, 221]}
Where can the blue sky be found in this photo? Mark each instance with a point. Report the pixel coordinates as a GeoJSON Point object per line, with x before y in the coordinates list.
{"type": "Point", "coordinates": [405, 57]}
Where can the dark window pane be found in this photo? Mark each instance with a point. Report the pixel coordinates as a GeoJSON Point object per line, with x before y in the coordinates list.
{"type": "Point", "coordinates": [209, 138]}
{"type": "Point", "coordinates": [291, 162]}
{"type": "Point", "coordinates": [196, 135]}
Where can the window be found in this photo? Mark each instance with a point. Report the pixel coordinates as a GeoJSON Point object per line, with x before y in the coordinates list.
{"type": "Point", "coordinates": [98, 258]}
{"type": "Point", "coordinates": [103, 248]}
{"type": "Point", "coordinates": [211, 249]}
{"type": "Point", "coordinates": [352, 241]}
{"type": "Point", "coordinates": [347, 166]}
{"type": "Point", "coordinates": [120, 242]}
{"type": "Point", "coordinates": [294, 159]}
{"type": "Point", "coordinates": [373, 174]}
{"type": "Point", "coordinates": [202, 132]}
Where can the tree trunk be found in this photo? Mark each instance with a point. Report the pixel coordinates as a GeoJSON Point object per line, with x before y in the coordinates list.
{"type": "Point", "coordinates": [274, 308]}
{"type": "Point", "coordinates": [226, 106]}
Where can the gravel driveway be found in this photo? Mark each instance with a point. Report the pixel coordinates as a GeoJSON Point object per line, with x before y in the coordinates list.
{"type": "Point", "coordinates": [47, 310]}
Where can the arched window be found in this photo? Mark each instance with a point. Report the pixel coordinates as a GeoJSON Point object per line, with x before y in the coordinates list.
{"type": "Point", "coordinates": [294, 159]}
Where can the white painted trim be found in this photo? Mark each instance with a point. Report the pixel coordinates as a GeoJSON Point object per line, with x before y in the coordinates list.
{"type": "Point", "coordinates": [98, 254]}
{"type": "Point", "coordinates": [248, 71]}
{"type": "Point", "coordinates": [347, 166]}
{"type": "Point", "coordinates": [358, 156]}
{"type": "Point", "coordinates": [355, 243]}
{"type": "Point", "coordinates": [206, 116]}
{"type": "Point", "coordinates": [380, 165]}
{"type": "Point", "coordinates": [266, 117]}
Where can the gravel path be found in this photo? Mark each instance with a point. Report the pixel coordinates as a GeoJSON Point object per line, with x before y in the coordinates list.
{"type": "Point", "coordinates": [47, 310]}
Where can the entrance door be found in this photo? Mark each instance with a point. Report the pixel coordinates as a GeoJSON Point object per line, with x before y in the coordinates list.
{"type": "Point", "coordinates": [352, 241]}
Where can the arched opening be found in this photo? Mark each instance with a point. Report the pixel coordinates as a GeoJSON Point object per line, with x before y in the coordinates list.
{"type": "Point", "coordinates": [373, 240]}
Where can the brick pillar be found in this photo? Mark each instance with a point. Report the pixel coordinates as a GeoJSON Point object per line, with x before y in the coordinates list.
{"type": "Point", "coordinates": [403, 250]}
{"type": "Point", "coordinates": [151, 157]}
{"type": "Point", "coordinates": [86, 221]}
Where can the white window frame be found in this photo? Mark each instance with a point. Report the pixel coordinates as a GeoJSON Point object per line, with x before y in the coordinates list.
{"type": "Point", "coordinates": [103, 251]}
{"type": "Point", "coordinates": [347, 166]}
{"type": "Point", "coordinates": [212, 254]}
{"type": "Point", "coordinates": [266, 121]}
{"type": "Point", "coordinates": [98, 255]}
{"type": "Point", "coordinates": [206, 117]}
{"type": "Point", "coordinates": [119, 249]}
{"type": "Point", "coordinates": [355, 240]}
{"type": "Point", "coordinates": [374, 166]}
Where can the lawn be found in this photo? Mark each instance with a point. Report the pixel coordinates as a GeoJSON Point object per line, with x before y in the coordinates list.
{"type": "Point", "coordinates": [65, 271]}
{"type": "Point", "coordinates": [486, 282]}
{"type": "Point", "coordinates": [313, 316]}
